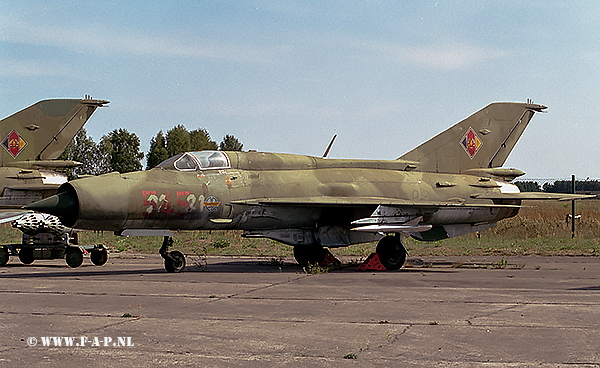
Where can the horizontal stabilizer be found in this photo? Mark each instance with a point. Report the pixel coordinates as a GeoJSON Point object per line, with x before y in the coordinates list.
{"type": "Point", "coordinates": [499, 172]}
{"type": "Point", "coordinates": [44, 164]}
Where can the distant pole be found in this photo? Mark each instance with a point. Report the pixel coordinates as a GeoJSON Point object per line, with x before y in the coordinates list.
{"type": "Point", "coordinates": [573, 207]}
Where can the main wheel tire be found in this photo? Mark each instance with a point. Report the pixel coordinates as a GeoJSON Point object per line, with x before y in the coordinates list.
{"type": "Point", "coordinates": [391, 253]}
{"type": "Point", "coordinates": [99, 256]}
{"type": "Point", "coordinates": [74, 257]}
{"type": "Point", "coordinates": [306, 254]}
{"type": "Point", "coordinates": [26, 255]}
{"type": "Point", "coordinates": [4, 256]}
{"type": "Point", "coordinates": [175, 263]}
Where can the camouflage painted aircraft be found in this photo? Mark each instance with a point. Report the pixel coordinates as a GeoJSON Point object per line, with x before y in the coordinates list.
{"type": "Point", "coordinates": [452, 184]}
{"type": "Point", "coordinates": [31, 142]}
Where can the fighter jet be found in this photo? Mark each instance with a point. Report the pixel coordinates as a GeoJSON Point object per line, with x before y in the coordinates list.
{"type": "Point", "coordinates": [31, 141]}
{"type": "Point", "coordinates": [451, 185]}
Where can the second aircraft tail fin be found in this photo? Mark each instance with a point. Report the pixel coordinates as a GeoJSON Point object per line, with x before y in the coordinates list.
{"type": "Point", "coordinates": [43, 130]}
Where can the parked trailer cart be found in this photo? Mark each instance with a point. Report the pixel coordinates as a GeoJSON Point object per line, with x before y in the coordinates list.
{"type": "Point", "coordinates": [44, 238]}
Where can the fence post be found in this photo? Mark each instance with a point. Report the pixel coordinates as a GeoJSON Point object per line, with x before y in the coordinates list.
{"type": "Point", "coordinates": [573, 207]}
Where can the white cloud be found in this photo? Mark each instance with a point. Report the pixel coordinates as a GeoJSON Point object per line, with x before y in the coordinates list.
{"type": "Point", "coordinates": [97, 40]}
{"type": "Point", "coordinates": [28, 68]}
{"type": "Point", "coordinates": [447, 56]}
{"type": "Point", "coordinates": [102, 41]}
{"type": "Point", "coordinates": [452, 56]}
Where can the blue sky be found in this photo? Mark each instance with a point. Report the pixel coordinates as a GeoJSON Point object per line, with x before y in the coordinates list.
{"type": "Point", "coordinates": [284, 76]}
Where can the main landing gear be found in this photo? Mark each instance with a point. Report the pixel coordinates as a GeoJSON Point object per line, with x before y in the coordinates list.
{"type": "Point", "coordinates": [391, 252]}
{"type": "Point", "coordinates": [315, 254]}
{"type": "Point", "coordinates": [306, 254]}
{"type": "Point", "coordinates": [174, 260]}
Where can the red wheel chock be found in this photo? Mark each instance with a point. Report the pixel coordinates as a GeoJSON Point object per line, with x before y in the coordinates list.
{"type": "Point", "coordinates": [329, 260]}
{"type": "Point", "coordinates": [372, 263]}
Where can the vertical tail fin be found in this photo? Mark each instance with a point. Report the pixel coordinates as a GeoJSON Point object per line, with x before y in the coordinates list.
{"type": "Point", "coordinates": [483, 140]}
{"type": "Point", "coordinates": [43, 130]}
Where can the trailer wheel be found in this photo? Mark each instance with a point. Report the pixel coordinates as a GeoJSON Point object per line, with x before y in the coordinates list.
{"type": "Point", "coordinates": [26, 255]}
{"type": "Point", "coordinates": [4, 256]}
{"type": "Point", "coordinates": [74, 257]}
{"type": "Point", "coordinates": [99, 256]}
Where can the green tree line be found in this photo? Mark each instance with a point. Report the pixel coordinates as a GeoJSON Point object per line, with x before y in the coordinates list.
{"type": "Point", "coordinates": [559, 186]}
{"type": "Point", "coordinates": [119, 150]}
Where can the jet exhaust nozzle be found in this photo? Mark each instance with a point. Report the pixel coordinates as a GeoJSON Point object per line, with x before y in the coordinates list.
{"type": "Point", "coordinates": [64, 205]}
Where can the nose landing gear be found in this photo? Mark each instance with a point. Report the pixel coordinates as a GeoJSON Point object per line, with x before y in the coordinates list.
{"type": "Point", "coordinates": [174, 260]}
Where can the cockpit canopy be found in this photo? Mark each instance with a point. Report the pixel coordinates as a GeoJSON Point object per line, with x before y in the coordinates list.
{"type": "Point", "coordinates": [192, 161]}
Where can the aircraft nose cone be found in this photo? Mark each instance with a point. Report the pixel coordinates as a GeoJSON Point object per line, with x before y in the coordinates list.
{"type": "Point", "coordinates": [63, 205]}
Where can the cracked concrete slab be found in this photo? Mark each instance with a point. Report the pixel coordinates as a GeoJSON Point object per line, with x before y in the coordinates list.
{"type": "Point", "coordinates": [245, 311]}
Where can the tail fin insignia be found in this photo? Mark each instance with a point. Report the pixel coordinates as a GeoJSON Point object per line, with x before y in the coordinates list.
{"type": "Point", "coordinates": [471, 143]}
{"type": "Point", "coordinates": [43, 130]}
{"type": "Point", "coordinates": [14, 143]}
{"type": "Point", "coordinates": [487, 137]}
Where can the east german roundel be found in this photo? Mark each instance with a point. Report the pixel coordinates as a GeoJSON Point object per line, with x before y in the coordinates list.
{"type": "Point", "coordinates": [471, 143]}
{"type": "Point", "coordinates": [14, 143]}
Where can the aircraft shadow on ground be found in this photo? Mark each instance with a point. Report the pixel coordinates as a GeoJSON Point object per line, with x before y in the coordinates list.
{"type": "Point", "coordinates": [587, 288]}
{"type": "Point", "coordinates": [238, 266]}
{"type": "Point", "coordinates": [73, 272]}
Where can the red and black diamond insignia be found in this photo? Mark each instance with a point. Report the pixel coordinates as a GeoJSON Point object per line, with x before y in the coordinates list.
{"type": "Point", "coordinates": [14, 143]}
{"type": "Point", "coordinates": [471, 143]}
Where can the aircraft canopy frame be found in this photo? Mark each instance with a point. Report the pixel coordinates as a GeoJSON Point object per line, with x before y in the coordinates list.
{"type": "Point", "coordinates": [200, 160]}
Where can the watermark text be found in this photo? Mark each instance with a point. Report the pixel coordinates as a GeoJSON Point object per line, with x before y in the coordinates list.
{"type": "Point", "coordinates": [80, 341]}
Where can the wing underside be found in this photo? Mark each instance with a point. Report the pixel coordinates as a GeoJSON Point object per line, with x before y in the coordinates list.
{"type": "Point", "coordinates": [327, 201]}
{"type": "Point", "coordinates": [400, 216]}
{"type": "Point", "coordinates": [534, 196]}
{"type": "Point", "coordinates": [420, 219]}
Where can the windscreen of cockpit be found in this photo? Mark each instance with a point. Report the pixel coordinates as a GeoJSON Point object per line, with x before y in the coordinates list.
{"type": "Point", "coordinates": [168, 163]}
{"type": "Point", "coordinates": [182, 162]}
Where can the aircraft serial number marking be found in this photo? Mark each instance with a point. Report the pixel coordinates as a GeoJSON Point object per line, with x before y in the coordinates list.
{"type": "Point", "coordinates": [156, 204]}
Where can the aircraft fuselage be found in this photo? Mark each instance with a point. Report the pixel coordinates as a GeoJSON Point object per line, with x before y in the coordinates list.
{"type": "Point", "coordinates": [265, 191]}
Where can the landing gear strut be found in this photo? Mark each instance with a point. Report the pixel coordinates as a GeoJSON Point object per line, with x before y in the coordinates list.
{"type": "Point", "coordinates": [391, 251]}
{"type": "Point", "coordinates": [175, 260]}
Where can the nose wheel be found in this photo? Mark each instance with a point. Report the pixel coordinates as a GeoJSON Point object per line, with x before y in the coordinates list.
{"type": "Point", "coordinates": [174, 260]}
